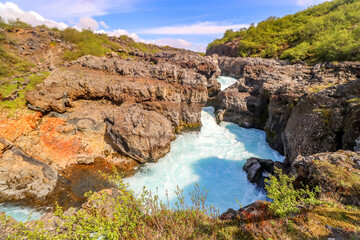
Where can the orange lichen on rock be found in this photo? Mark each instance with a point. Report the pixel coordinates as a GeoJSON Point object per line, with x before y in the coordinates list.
{"type": "Point", "coordinates": [61, 147]}
{"type": "Point", "coordinates": [12, 129]}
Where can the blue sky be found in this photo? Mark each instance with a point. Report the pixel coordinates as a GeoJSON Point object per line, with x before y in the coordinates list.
{"type": "Point", "coordinates": [189, 24]}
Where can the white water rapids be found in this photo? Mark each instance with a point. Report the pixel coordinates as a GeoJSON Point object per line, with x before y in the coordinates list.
{"type": "Point", "coordinates": [213, 158]}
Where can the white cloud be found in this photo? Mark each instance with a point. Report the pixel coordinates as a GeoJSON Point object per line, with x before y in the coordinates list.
{"type": "Point", "coordinates": [10, 11]}
{"type": "Point", "coordinates": [203, 28]}
{"type": "Point", "coordinates": [309, 2]}
{"type": "Point", "coordinates": [103, 24]}
{"type": "Point", "coordinates": [72, 9]}
{"type": "Point", "coordinates": [178, 43]}
{"type": "Point", "coordinates": [87, 23]}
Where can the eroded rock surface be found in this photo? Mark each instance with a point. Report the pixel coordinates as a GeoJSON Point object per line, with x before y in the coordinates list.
{"type": "Point", "coordinates": [304, 110]}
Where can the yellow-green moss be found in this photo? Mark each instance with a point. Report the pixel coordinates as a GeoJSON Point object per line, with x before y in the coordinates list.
{"type": "Point", "coordinates": [318, 88]}
{"type": "Point", "coordinates": [353, 100]}
{"type": "Point", "coordinates": [325, 114]}
{"type": "Point", "coordinates": [183, 126]}
{"type": "Point", "coordinates": [19, 103]}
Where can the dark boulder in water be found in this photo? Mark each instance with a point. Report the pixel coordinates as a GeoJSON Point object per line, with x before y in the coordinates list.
{"type": "Point", "coordinates": [259, 169]}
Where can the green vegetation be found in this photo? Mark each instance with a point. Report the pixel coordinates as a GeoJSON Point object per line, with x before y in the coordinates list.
{"type": "Point", "coordinates": [326, 32]}
{"type": "Point", "coordinates": [324, 113]}
{"type": "Point", "coordinates": [338, 177]}
{"type": "Point", "coordinates": [126, 217]}
{"type": "Point", "coordinates": [89, 43]}
{"type": "Point", "coordinates": [17, 23]}
{"type": "Point", "coordinates": [11, 64]}
{"type": "Point", "coordinates": [18, 87]}
{"type": "Point", "coordinates": [117, 214]}
{"type": "Point", "coordinates": [286, 199]}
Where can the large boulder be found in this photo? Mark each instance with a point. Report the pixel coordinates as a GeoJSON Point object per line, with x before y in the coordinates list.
{"type": "Point", "coordinates": [140, 134]}
{"type": "Point", "coordinates": [253, 212]}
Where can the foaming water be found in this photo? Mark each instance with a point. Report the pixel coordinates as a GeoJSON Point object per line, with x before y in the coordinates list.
{"type": "Point", "coordinates": [213, 158]}
{"type": "Point", "coordinates": [19, 213]}
{"type": "Point", "coordinates": [226, 82]}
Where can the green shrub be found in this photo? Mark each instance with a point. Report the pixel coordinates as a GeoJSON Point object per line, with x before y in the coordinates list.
{"type": "Point", "coordinates": [287, 199]}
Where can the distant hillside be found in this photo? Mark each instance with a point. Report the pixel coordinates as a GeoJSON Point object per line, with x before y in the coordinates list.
{"type": "Point", "coordinates": [326, 32]}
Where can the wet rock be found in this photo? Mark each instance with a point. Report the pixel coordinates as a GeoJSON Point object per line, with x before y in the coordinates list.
{"type": "Point", "coordinates": [357, 147]}
{"type": "Point", "coordinates": [259, 169]}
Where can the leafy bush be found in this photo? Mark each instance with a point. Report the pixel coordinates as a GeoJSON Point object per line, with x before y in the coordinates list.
{"type": "Point", "coordinates": [287, 199]}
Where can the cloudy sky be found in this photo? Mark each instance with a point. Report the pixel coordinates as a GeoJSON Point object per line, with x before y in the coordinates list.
{"type": "Point", "coordinates": [180, 23]}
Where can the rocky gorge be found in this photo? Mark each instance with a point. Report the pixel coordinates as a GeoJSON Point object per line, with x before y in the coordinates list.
{"type": "Point", "coordinates": [111, 111]}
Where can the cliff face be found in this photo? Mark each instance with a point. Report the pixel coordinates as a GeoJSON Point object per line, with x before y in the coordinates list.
{"type": "Point", "coordinates": [304, 110]}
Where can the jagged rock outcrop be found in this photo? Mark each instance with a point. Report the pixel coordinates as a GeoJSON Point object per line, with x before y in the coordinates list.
{"type": "Point", "coordinates": [166, 72]}
{"type": "Point", "coordinates": [109, 110]}
{"type": "Point", "coordinates": [304, 110]}
{"type": "Point", "coordinates": [263, 96]}
{"type": "Point", "coordinates": [336, 173]}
